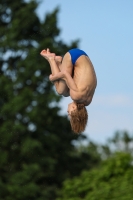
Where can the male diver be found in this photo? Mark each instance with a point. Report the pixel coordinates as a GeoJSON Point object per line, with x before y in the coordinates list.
{"type": "Point", "coordinates": [74, 76]}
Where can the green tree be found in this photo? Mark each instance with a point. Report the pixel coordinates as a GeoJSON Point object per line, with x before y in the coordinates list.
{"type": "Point", "coordinates": [36, 142]}
{"type": "Point", "coordinates": [112, 181]}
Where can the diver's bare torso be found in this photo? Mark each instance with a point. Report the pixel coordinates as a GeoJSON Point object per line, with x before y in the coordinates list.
{"type": "Point", "coordinates": [85, 80]}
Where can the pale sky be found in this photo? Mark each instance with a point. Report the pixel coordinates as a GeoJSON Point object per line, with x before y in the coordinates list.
{"type": "Point", "coordinates": [105, 30]}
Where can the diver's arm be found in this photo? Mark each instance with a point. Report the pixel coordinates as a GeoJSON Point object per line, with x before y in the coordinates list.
{"type": "Point", "coordinates": [67, 78]}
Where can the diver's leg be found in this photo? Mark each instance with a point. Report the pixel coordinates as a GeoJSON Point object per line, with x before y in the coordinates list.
{"type": "Point", "coordinates": [55, 64]}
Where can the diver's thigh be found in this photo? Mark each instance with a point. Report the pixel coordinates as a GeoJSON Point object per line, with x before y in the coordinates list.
{"type": "Point", "coordinates": [67, 64]}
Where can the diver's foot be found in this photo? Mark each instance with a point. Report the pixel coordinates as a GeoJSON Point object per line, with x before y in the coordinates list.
{"type": "Point", "coordinates": [47, 54]}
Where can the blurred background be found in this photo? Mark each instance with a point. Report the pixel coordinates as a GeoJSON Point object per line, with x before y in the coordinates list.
{"type": "Point", "coordinates": [105, 32]}
{"type": "Point", "coordinates": [40, 157]}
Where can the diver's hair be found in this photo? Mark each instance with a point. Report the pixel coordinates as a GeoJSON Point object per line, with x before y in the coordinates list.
{"type": "Point", "coordinates": [79, 119]}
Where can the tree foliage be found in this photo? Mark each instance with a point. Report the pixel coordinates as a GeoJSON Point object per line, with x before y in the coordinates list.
{"type": "Point", "coordinates": [36, 142]}
{"type": "Point", "coordinates": [112, 181]}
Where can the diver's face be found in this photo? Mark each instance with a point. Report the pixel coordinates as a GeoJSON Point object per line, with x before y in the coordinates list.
{"type": "Point", "coordinates": [71, 107]}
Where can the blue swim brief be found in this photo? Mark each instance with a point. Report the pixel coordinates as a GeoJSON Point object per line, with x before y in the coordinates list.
{"type": "Point", "coordinates": [75, 54]}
